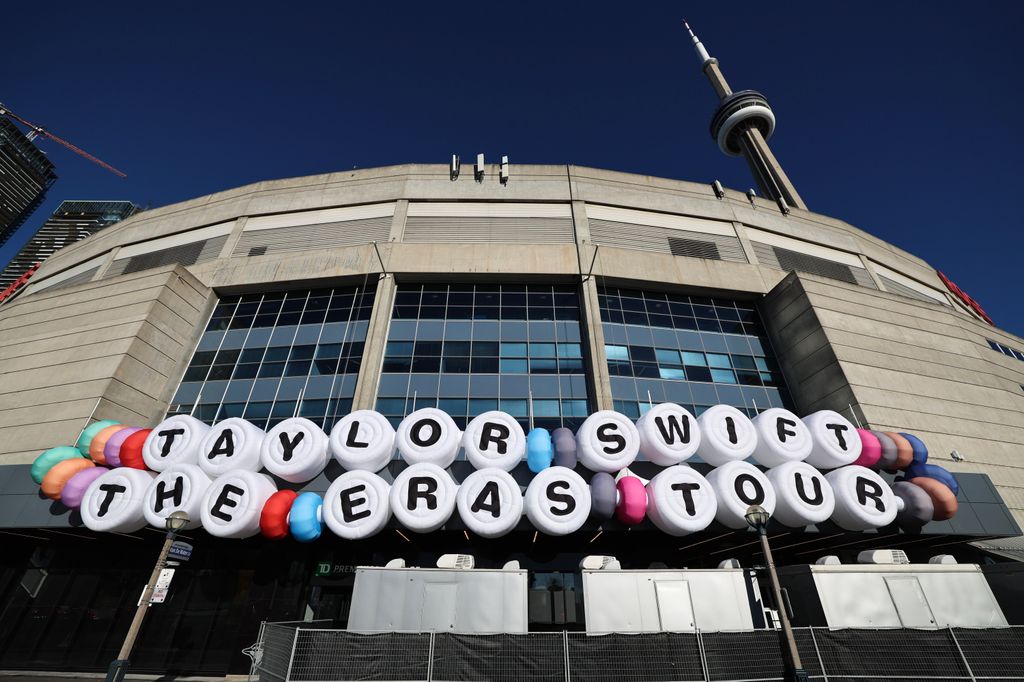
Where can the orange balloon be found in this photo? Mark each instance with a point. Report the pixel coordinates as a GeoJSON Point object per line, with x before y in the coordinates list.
{"type": "Point", "coordinates": [59, 474]}
{"type": "Point", "coordinates": [904, 450]}
{"type": "Point", "coordinates": [99, 442]}
{"type": "Point", "coordinates": [942, 497]}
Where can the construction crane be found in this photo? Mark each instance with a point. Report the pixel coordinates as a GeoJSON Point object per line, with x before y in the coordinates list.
{"type": "Point", "coordinates": [39, 130]}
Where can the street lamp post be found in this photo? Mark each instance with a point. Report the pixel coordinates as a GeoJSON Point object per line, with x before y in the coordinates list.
{"type": "Point", "coordinates": [175, 522]}
{"type": "Point", "coordinates": [757, 516]}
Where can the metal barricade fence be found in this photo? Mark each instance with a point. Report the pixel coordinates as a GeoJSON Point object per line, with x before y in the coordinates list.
{"type": "Point", "coordinates": [294, 652]}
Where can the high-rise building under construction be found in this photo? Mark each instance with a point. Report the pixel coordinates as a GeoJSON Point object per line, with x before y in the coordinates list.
{"type": "Point", "coordinates": [72, 221]}
{"type": "Point", "coordinates": [25, 175]}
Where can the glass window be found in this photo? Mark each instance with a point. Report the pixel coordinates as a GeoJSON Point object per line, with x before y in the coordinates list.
{"type": "Point", "coordinates": [274, 347]}
{"type": "Point", "coordinates": [695, 351]}
{"type": "Point", "coordinates": [493, 335]}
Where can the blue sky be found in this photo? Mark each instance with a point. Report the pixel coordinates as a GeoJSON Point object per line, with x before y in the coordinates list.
{"type": "Point", "coordinates": [901, 118]}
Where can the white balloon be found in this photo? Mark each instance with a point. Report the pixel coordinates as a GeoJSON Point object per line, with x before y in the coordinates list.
{"type": "Point", "coordinates": [356, 505]}
{"type": "Point", "coordinates": [680, 501]}
{"type": "Point", "coordinates": [557, 501]}
{"type": "Point", "coordinates": [835, 440]}
{"type": "Point", "coordinates": [114, 501]}
{"type": "Point", "coordinates": [231, 445]}
{"type": "Point", "coordinates": [781, 437]}
{"type": "Point", "coordinates": [179, 488]}
{"type": "Point", "coordinates": [727, 435]}
{"type": "Point", "coordinates": [295, 450]}
{"type": "Point", "coordinates": [363, 440]}
{"type": "Point", "coordinates": [803, 496]}
{"type": "Point", "coordinates": [423, 497]}
{"type": "Point", "coordinates": [494, 439]}
{"type": "Point", "coordinates": [739, 485]}
{"type": "Point", "coordinates": [607, 441]}
{"type": "Point", "coordinates": [233, 503]}
{"type": "Point", "coordinates": [863, 499]}
{"type": "Point", "coordinates": [490, 502]}
{"type": "Point", "coordinates": [428, 435]}
{"type": "Point", "coordinates": [175, 441]}
{"type": "Point", "coordinates": [668, 434]}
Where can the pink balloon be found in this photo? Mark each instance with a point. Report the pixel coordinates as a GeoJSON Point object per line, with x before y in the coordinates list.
{"type": "Point", "coordinates": [632, 505]}
{"type": "Point", "coordinates": [871, 449]}
{"type": "Point", "coordinates": [112, 450]}
{"type": "Point", "coordinates": [73, 491]}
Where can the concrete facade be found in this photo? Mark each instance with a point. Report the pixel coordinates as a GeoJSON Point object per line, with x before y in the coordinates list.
{"type": "Point", "coordinates": [869, 327]}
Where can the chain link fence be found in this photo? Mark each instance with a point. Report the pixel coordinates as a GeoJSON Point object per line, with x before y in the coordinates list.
{"type": "Point", "coordinates": [305, 652]}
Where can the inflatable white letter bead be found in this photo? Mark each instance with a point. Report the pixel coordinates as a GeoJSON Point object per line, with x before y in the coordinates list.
{"type": "Point", "coordinates": [680, 501]}
{"type": "Point", "coordinates": [428, 436]}
{"type": "Point", "coordinates": [423, 497]}
{"type": "Point", "coordinates": [113, 502]}
{"type": "Point", "coordinates": [607, 441]}
{"type": "Point", "coordinates": [863, 499]}
{"type": "Point", "coordinates": [295, 450]}
{"type": "Point", "coordinates": [231, 445]}
{"type": "Point", "coordinates": [356, 505]}
{"type": "Point", "coordinates": [835, 440]}
{"type": "Point", "coordinates": [494, 439]}
{"type": "Point", "coordinates": [802, 495]}
{"type": "Point", "coordinates": [557, 501]}
{"type": "Point", "coordinates": [738, 486]}
{"type": "Point", "coordinates": [490, 502]}
{"type": "Point", "coordinates": [180, 488]}
{"type": "Point", "coordinates": [668, 434]}
{"type": "Point", "coordinates": [233, 503]}
{"type": "Point", "coordinates": [363, 440]}
{"type": "Point", "coordinates": [781, 437]}
{"type": "Point", "coordinates": [727, 435]}
{"type": "Point", "coordinates": [175, 441]}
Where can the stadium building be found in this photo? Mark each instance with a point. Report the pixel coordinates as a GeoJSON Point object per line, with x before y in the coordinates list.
{"type": "Point", "coordinates": [550, 294]}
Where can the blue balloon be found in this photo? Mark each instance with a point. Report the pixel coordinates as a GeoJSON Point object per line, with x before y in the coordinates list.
{"type": "Point", "coordinates": [304, 519]}
{"type": "Point", "coordinates": [920, 449]}
{"type": "Point", "coordinates": [933, 471]}
{"type": "Point", "coordinates": [539, 451]}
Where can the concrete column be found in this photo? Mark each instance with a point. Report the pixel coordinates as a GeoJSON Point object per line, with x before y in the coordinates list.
{"type": "Point", "coordinates": [105, 265]}
{"type": "Point", "coordinates": [398, 221]}
{"type": "Point", "coordinates": [365, 396]}
{"type": "Point", "coordinates": [748, 248]}
{"type": "Point", "coordinates": [871, 272]}
{"type": "Point", "coordinates": [593, 332]}
{"type": "Point", "coordinates": [232, 240]}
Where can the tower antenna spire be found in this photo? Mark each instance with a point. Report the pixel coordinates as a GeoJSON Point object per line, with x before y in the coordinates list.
{"type": "Point", "coordinates": [699, 46]}
{"type": "Point", "coordinates": [742, 126]}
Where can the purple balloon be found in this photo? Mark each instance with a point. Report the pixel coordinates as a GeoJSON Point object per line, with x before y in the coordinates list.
{"type": "Point", "coordinates": [112, 450]}
{"type": "Point", "coordinates": [74, 490]}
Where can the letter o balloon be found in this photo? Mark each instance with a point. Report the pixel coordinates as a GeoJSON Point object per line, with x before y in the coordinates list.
{"type": "Point", "coordinates": [428, 436]}
{"type": "Point", "coordinates": [738, 486]}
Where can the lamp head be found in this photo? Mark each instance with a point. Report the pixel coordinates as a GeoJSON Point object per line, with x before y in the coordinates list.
{"type": "Point", "coordinates": [757, 516]}
{"type": "Point", "coordinates": [176, 521]}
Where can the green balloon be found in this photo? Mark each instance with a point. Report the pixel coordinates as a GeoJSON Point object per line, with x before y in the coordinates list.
{"type": "Point", "coordinates": [45, 461]}
{"type": "Point", "coordinates": [90, 432]}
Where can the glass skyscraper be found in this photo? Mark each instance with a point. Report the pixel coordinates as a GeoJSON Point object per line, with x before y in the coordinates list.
{"type": "Point", "coordinates": [25, 175]}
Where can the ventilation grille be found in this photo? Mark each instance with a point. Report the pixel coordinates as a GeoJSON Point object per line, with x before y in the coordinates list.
{"type": "Point", "coordinates": [666, 240]}
{"type": "Point", "coordinates": [483, 229]}
{"type": "Point", "coordinates": [185, 254]}
{"type": "Point", "coordinates": [895, 287]}
{"type": "Point", "coordinates": [312, 237]}
{"type": "Point", "coordinates": [785, 259]}
{"type": "Point", "coordinates": [80, 278]}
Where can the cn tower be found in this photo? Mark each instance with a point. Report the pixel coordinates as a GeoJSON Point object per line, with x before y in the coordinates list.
{"type": "Point", "coordinates": [742, 125]}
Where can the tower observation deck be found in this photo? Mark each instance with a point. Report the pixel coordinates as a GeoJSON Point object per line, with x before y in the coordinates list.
{"type": "Point", "coordinates": [742, 126]}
